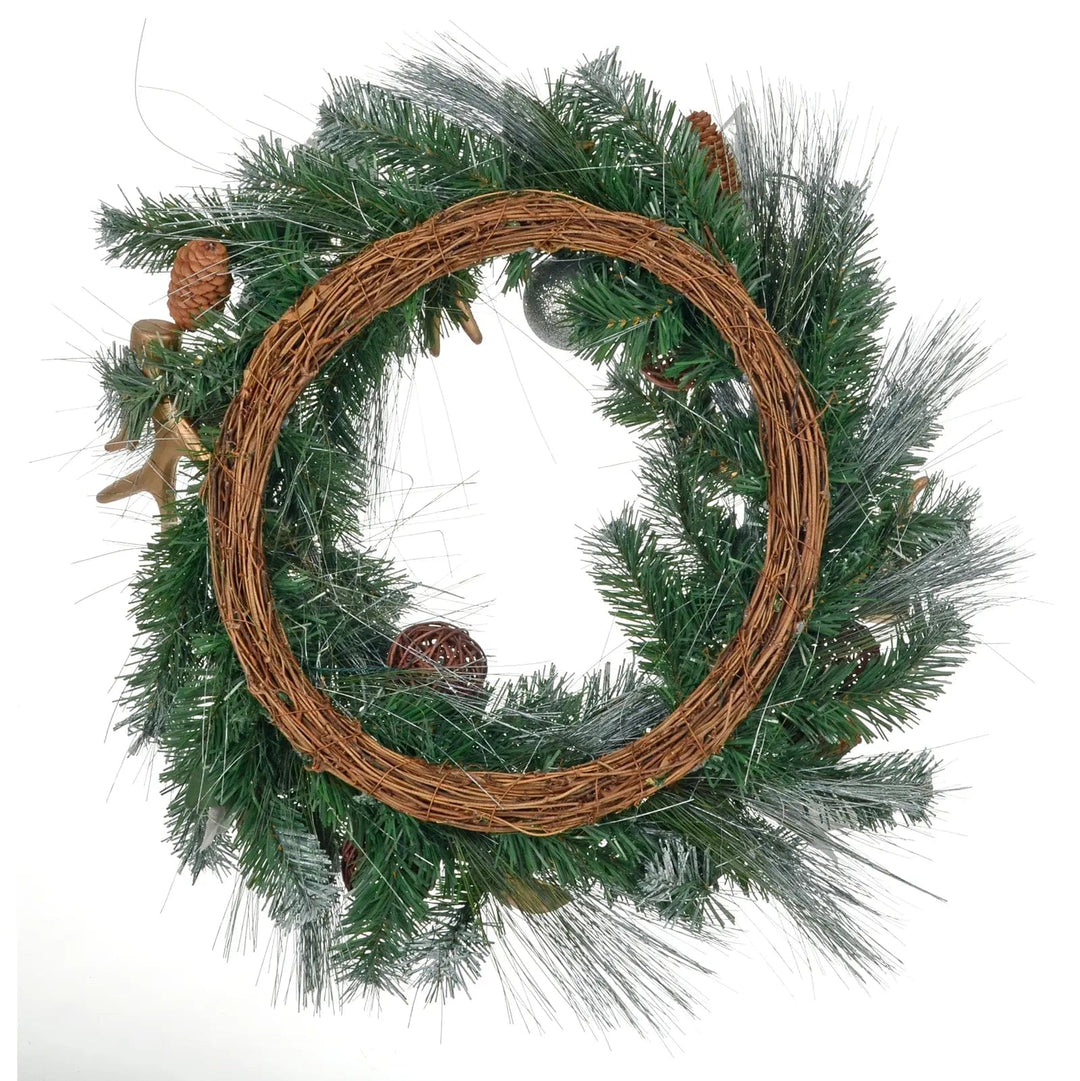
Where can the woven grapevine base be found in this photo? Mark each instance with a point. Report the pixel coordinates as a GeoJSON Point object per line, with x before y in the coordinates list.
{"type": "Point", "coordinates": [339, 306]}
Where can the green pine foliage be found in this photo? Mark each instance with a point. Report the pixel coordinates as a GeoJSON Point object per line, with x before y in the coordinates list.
{"type": "Point", "coordinates": [772, 818]}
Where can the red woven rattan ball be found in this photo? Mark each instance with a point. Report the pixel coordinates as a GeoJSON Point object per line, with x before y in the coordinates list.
{"type": "Point", "coordinates": [863, 650]}
{"type": "Point", "coordinates": [441, 647]}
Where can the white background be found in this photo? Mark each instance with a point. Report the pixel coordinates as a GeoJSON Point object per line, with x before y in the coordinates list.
{"type": "Point", "coordinates": [119, 978]}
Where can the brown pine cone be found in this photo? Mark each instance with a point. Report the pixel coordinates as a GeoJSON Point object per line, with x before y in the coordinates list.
{"type": "Point", "coordinates": [656, 372]}
{"type": "Point", "coordinates": [350, 857]}
{"type": "Point", "coordinates": [200, 281]}
{"type": "Point", "coordinates": [721, 159]}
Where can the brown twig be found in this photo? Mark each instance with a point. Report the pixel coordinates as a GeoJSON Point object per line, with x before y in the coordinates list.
{"type": "Point", "coordinates": [340, 305]}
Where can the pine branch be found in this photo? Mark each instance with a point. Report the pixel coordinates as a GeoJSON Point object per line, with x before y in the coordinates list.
{"type": "Point", "coordinates": [363, 122]}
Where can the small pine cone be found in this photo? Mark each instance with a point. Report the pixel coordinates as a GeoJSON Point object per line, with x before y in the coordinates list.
{"type": "Point", "coordinates": [838, 750]}
{"type": "Point", "coordinates": [721, 159]}
{"type": "Point", "coordinates": [200, 281]}
{"type": "Point", "coordinates": [656, 372]}
{"type": "Point", "coordinates": [350, 857]}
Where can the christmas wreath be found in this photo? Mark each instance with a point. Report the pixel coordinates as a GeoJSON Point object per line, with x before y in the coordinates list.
{"type": "Point", "coordinates": [794, 584]}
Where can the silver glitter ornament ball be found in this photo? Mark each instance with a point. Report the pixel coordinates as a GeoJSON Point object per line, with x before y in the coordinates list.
{"type": "Point", "coordinates": [545, 295]}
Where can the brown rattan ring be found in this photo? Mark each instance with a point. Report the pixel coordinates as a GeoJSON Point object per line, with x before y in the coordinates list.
{"type": "Point", "coordinates": [339, 306]}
